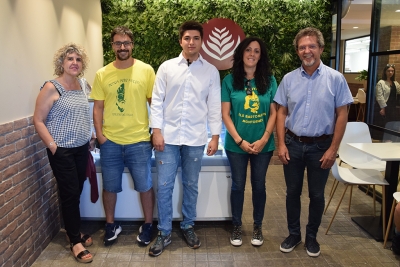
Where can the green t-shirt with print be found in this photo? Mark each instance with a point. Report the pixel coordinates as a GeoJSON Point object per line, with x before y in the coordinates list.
{"type": "Point", "coordinates": [249, 113]}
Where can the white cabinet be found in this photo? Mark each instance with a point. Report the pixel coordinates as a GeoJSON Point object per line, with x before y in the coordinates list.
{"type": "Point", "coordinates": [213, 200]}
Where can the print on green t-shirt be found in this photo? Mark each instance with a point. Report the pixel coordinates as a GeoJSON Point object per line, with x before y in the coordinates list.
{"type": "Point", "coordinates": [252, 102]}
{"type": "Point", "coordinates": [121, 98]}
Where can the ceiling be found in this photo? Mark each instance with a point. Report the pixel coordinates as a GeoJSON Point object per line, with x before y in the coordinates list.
{"type": "Point", "coordinates": [359, 15]}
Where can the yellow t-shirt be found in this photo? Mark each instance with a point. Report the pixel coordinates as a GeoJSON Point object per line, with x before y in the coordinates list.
{"type": "Point", "coordinates": [125, 93]}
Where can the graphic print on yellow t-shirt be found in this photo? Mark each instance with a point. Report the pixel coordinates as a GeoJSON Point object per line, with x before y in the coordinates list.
{"type": "Point", "coordinates": [252, 102]}
{"type": "Point", "coordinates": [121, 98]}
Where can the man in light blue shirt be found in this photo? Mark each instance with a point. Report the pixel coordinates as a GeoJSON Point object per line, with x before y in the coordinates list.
{"type": "Point", "coordinates": [186, 99]}
{"type": "Point", "coordinates": [311, 120]}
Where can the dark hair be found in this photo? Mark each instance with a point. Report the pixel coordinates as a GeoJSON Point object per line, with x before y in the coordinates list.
{"type": "Point", "coordinates": [263, 69]}
{"type": "Point", "coordinates": [310, 31]}
{"type": "Point", "coordinates": [121, 30]}
{"type": "Point", "coordinates": [190, 25]}
{"type": "Point", "coordinates": [384, 76]}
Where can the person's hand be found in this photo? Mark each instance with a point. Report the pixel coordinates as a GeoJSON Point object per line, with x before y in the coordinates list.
{"type": "Point", "coordinates": [328, 158]}
{"type": "Point", "coordinates": [247, 147]}
{"type": "Point", "coordinates": [101, 138]}
{"type": "Point", "coordinates": [212, 147]}
{"type": "Point", "coordinates": [382, 111]}
{"type": "Point", "coordinates": [92, 144]}
{"type": "Point", "coordinates": [258, 146]}
{"type": "Point", "coordinates": [283, 154]}
{"type": "Point", "coordinates": [53, 149]}
{"type": "Point", "coordinates": [158, 141]}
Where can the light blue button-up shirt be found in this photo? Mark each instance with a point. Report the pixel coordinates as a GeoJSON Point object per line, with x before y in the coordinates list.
{"type": "Point", "coordinates": [312, 100]}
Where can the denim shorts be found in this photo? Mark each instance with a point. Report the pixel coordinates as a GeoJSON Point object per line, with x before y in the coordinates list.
{"type": "Point", "coordinates": [136, 157]}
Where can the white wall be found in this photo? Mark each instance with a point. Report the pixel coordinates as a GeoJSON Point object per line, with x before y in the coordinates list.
{"type": "Point", "coordinates": [31, 32]}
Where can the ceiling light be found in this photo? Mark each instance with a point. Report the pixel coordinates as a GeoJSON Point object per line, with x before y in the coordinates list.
{"type": "Point", "coordinates": [398, 10]}
{"type": "Point", "coordinates": [355, 27]}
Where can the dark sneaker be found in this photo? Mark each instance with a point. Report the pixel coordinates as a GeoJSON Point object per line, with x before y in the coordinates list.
{"type": "Point", "coordinates": [161, 242]}
{"type": "Point", "coordinates": [145, 232]}
{"type": "Point", "coordinates": [236, 236]}
{"type": "Point", "coordinates": [112, 232]}
{"type": "Point", "coordinates": [257, 239]}
{"type": "Point", "coordinates": [191, 238]}
{"type": "Point", "coordinates": [290, 243]}
{"type": "Point", "coordinates": [396, 244]}
{"type": "Point", "coordinates": [312, 247]}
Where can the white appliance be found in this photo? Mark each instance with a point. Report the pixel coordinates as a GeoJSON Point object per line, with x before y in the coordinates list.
{"type": "Point", "coordinates": [213, 200]}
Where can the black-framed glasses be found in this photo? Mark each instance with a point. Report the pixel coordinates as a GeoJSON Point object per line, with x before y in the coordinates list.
{"type": "Point", "coordinates": [390, 65]}
{"type": "Point", "coordinates": [119, 44]}
{"type": "Point", "coordinates": [249, 91]}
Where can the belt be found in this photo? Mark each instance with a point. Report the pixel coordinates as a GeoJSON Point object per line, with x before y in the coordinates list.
{"type": "Point", "coordinates": [307, 139]}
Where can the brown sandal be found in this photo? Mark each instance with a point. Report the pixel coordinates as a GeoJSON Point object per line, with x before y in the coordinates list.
{"type": "Point", "coordinates": [84, 240]}
{"type": "Point", "coordinates": [82, 254]}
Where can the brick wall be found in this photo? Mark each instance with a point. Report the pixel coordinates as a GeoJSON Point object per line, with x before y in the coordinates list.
{"type": "Point", "coordinates": [29, 208]}
{"type": "Point", "coordinates": [389, 39]}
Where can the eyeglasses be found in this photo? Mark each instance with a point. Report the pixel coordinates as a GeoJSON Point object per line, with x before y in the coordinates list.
{"type": "Point", "coordinates": [249, 91]}
{"type": "Point", "coordinates": [119, 44]}
{"type": "Point", "coordinates": [304, 47]}
{"type": "Point", "coordinates": [390, 65]}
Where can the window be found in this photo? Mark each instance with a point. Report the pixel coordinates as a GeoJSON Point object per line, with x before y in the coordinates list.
{"type": "Point", "coordinates": [356, 54]}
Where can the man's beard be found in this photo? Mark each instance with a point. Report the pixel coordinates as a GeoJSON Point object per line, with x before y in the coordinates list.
{"type": "Point", "coordinates": [128, 55]}
{"type": "Point", "coordinates": [308, 63]}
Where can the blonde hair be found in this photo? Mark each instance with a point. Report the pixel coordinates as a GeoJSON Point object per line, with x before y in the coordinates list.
{"type": "Point", "coordinates": [63, 52]}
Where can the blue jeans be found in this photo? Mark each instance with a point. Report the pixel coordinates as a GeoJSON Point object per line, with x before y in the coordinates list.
{"type": "Point", "coordinates": [305, 156]}
{"type": "Point", "coordinates": [258, 166]}
{"type": "Point", "coordinates": [189, 158]}
{"type": "Point", "coordinates": [136, 157]}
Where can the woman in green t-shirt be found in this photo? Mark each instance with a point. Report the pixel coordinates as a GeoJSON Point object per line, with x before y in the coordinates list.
{"type": "Point", "coordinates": [249, 114]}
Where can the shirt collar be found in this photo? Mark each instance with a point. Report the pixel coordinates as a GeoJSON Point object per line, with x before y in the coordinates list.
{"type": "Point", "coordinates": [184, 60]}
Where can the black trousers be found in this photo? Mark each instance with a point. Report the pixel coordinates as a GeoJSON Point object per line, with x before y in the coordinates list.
{"type": "Point", "coordinates": [69, 168]}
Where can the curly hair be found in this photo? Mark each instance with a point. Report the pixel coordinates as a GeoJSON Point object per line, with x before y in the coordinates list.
{"type": "Point", "coordinates": [263, 71]}
{"type": "Point", "coordinates": [384, 76]}
{"type": "Point", "coordinates": [309, 31]}
{"type": "Point", "coordinates": [63, 52]}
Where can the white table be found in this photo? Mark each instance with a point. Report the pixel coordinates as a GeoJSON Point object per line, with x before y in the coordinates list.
{"type": "Point", "coordinates": [389, 152]}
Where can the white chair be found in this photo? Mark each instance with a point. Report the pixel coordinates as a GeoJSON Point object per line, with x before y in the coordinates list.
{"type": "Point", "coordinates": [357, 132]}
{"type": "Point", "coordinates": [362, 100]}
{"type": "Point", "coordinates": [350, 177]}
{"type": "Point", "coordinates": [355, 103]}
{"type": "Point", "coordinates": [396, 198]}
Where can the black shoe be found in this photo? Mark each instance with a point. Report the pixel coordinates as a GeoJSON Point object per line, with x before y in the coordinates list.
{"type": "Point", "coordinates": [312, 247]}
{"type": "Point", "coordinates": [191, 238]}
{"type": "Point", "coordinates": [236, 236]}
{"type": "Point", "coordinates": [145, 232]}
{"type": "Point", "coordinates": [161, 242]}
{"type": "Point", "coordinates": [257, 239]}
{"type": "Point", "coordinates": [396, 244]}
{"type": "Point", "coordinates": [290, 243]}
{"type": "Point", "coordinates": [112, 232]}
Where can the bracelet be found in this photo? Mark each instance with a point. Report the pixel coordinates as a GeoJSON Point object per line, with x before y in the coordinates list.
{"type": "Point", "coordinates": [267, 132]}
{"type": "Point", "coordinates": [240, 142]}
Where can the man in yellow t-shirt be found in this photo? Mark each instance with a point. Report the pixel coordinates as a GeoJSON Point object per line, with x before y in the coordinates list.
{"type": "Point", "coordinates": [122, 91]}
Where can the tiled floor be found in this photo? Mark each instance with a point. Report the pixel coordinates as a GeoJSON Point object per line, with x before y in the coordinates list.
{"type": "Point", "coordinates": [345, 244]}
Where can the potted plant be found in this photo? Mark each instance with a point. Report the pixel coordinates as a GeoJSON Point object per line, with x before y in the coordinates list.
{"type": "Point", "coordinates": [362, 77]}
